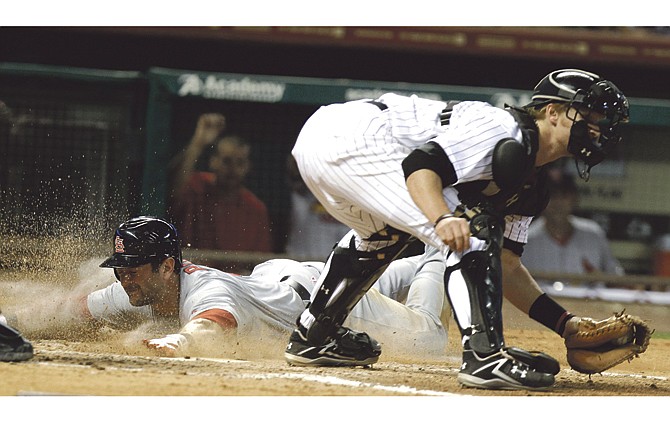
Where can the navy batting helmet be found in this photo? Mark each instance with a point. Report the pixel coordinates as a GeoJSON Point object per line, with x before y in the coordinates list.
{"type": "Point", "coordinates": [593, 97]}
{"type": "Point", "coordinates": [142, 240]}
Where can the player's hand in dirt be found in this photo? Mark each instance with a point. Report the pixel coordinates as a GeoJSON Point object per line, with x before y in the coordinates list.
{"type": "Point", "coordinates": [166, 346]}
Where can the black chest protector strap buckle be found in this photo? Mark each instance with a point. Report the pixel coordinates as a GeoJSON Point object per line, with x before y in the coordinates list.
{"type": "Point", "coordinates": [445, 115]}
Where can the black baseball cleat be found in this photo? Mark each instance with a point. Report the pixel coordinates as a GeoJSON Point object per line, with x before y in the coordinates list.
{"type": "Point", "coordinates": [13, 347]}
{"type": "Point", "coordinates": [501, 371]}
{"type": "Point", "coordinates": [347, 348]}
{"type": "Point", "coordinates": [536, 360]}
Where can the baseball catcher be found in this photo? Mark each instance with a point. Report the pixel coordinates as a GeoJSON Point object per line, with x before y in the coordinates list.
{"type": "Point", "coordinates": [401, 167]}
{"type": "Point", "coordinates": [595, 346]}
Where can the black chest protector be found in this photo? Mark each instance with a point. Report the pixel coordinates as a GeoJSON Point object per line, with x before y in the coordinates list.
{"type": "Point", "coordinates": [518, 187]}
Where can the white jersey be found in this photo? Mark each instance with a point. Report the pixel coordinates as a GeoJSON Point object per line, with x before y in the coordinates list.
{"type": "Point", "coordinates": [586, 251]}
{"type": "Point", "coordinates": [314, 232]}
{"type": "Point", "coordinates": [265, 301]}
{"type": "Point", "coordinates": [350, 156]}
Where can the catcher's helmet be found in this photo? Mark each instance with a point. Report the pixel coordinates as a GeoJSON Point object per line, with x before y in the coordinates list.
{"type": "Point", "coordinates": [142, 240]}
{"type": "Point", "coordinates": [589, 94]}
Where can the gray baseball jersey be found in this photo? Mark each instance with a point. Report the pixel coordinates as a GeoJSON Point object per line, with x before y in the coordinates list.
{"type": "Point", "coordinates": [256, 302]}
{"type": "Point", "coordinates": [264, 300]}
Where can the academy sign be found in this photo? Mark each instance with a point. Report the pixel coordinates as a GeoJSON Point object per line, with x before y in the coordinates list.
{"type": "Point", "coordinates": [243, 89]}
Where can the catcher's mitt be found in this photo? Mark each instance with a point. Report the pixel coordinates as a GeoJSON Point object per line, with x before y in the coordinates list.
{"type": "Point", "coordinates": [599, 345]}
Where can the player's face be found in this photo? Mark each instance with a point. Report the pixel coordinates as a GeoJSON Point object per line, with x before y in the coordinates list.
{"type": "Point", "coordinates": [142, 285]}
{"type": "Point", "coordinates": [560, 207]}
{"type": "Point", "coordinates": [230, 163]}
{"type": "Point", "coordinates": [591, 118]}
{"type": "Point", "coordinates": [564, 130]}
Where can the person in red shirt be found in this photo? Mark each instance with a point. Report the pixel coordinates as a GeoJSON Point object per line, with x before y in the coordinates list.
{"type": "Point", "coordinates": [214, 209]}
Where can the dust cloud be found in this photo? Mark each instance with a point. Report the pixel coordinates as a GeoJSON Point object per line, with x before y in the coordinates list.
{"type": "Point", "coordinates": [52, 308]}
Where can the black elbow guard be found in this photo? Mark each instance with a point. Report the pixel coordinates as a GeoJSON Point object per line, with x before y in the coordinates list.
{"type": "Point", "coordinates": [512, 163]}
{"type": "Point", "coordinates": [432, 157]}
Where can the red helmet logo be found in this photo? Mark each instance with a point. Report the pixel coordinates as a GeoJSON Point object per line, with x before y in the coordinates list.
{"type": "Point", "coordinates": [118, 245]}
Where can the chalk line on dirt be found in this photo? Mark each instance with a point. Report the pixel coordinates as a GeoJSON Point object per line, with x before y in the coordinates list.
{"type": "Point", "coordinates": [332, 380]}
{"type": "Point", "coordinates": [329, 379]}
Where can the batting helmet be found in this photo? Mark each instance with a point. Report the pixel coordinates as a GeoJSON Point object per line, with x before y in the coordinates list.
{"type": "Point", "coordinates": [142, 240]}
{"type": "Point", "coordinates": [589, 94]}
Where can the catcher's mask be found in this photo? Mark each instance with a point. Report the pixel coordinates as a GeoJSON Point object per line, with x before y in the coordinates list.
{"type": "Point", "coordinates": [599, 103]}
{"type": "Point", "coordinates": [143, 240]}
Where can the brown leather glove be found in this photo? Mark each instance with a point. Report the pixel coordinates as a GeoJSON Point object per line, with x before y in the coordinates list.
{"type": "Point", "coordinates": [596, 346]}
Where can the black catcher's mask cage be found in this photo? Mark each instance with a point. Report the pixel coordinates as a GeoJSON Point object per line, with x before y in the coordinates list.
{"type": "Point", "coordinates": [597, 100]}
{"type": "Point", "coordinates": [602, 105]}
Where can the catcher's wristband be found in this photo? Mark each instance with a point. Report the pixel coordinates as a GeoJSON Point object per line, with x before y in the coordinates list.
{"type": "Point", "coordinates": [442, 217]}
{"type": "Point", "coordinates": [560, 327]}
{"type": "Point", "coordinates": [549, 313]}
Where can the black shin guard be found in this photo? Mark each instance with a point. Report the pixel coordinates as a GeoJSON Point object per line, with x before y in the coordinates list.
{"type": "Point", "coordinates": [484, 283]}
{"type": "Point", "coordinates": [350, 275]}
{"type": "Point", "coordinates": [482, 273]}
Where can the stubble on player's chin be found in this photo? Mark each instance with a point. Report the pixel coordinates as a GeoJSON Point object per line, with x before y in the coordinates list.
{"type": "Point", "coordinates": [137, 299]}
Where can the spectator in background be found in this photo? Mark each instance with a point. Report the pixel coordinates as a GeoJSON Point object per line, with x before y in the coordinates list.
{"type": "Point", "coordinates": [312, 231]}
{"type": "Point", "coordinates": [561, 242]}
{"type": "Point", "coordinates": [213, 209]}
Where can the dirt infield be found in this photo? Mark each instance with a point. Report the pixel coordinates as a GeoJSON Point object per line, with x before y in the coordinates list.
{"type": "Point", "coordinates": [114, 363]}
{"type": "Point", "coordinates": [98, 369]}
{"type": "Point", "coordinates": [76, 370]}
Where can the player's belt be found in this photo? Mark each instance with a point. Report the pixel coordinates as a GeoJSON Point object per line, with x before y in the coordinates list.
{"type": "Point", "coordinates": [378, 104]}
{"type": "Point", "coordinates": [445, 115]}
{"type": "Point", "coordinates": [299, 288]}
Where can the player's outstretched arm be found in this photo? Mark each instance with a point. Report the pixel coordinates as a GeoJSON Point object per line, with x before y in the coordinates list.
{"type": "Point", "coordinates": [521, 289]}
{"type": "Point", "coordinates": [592, 346]}
{"type": "Point", "coordinates": [203, 332]}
